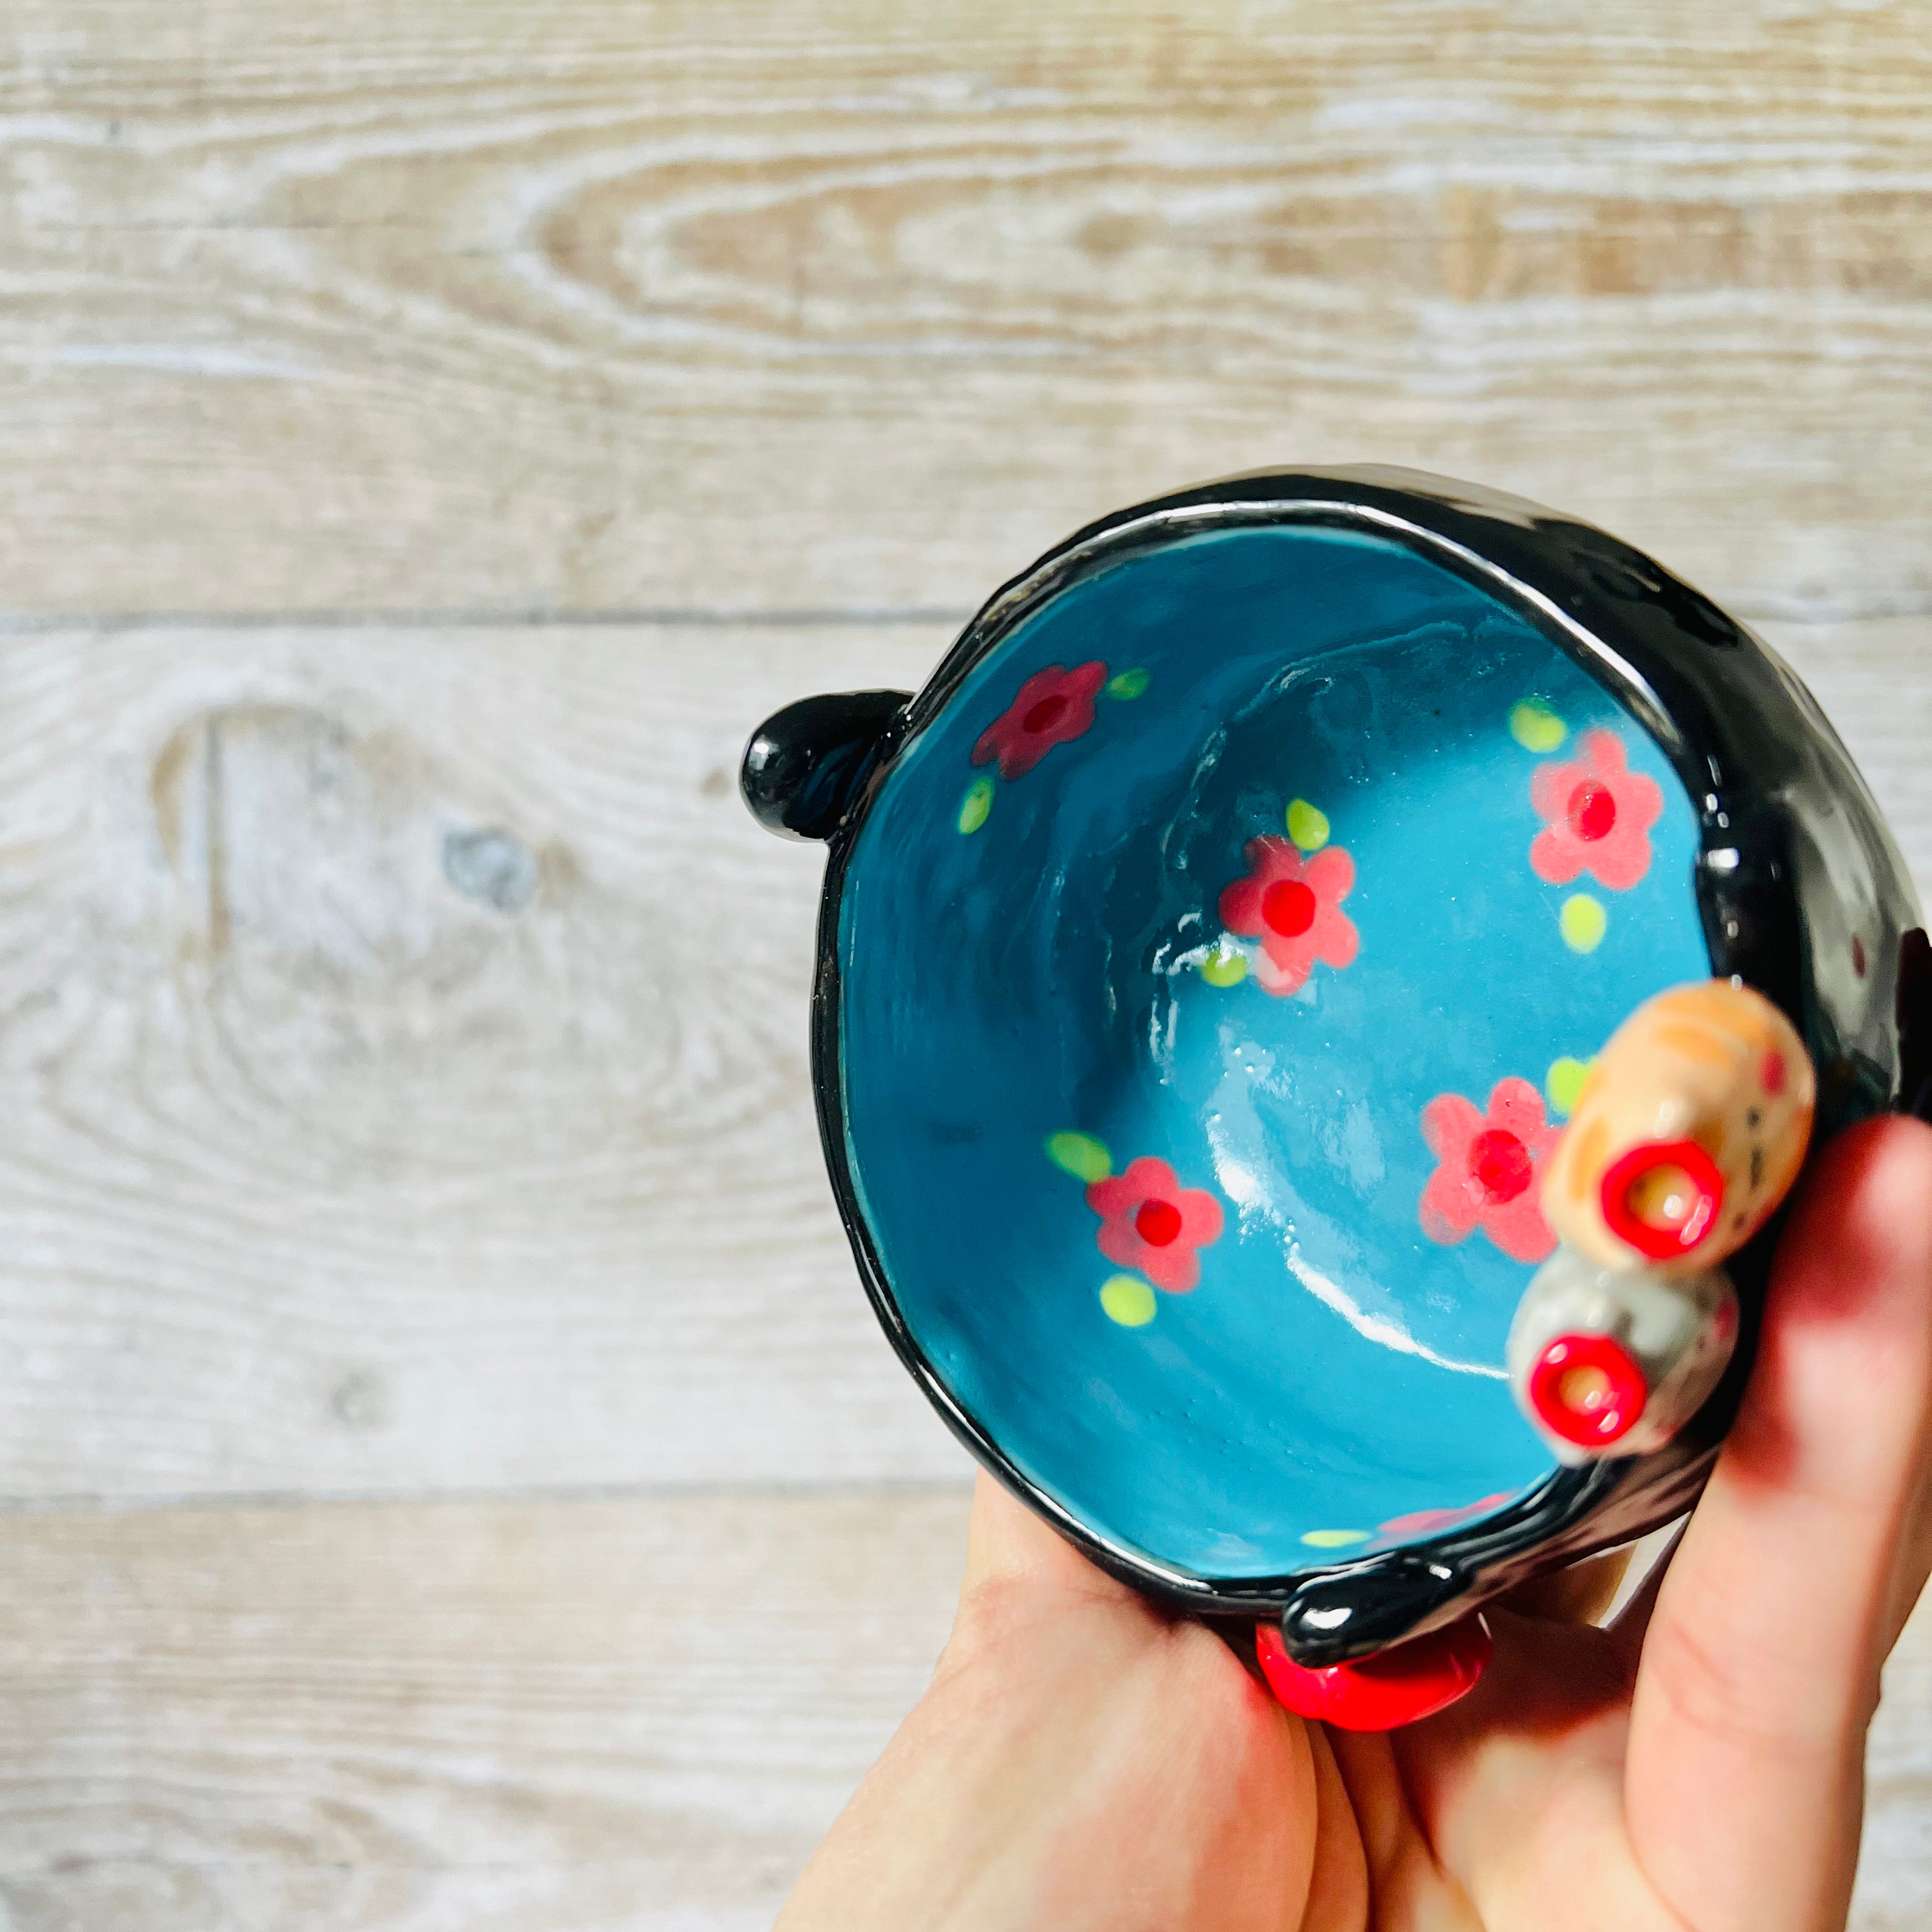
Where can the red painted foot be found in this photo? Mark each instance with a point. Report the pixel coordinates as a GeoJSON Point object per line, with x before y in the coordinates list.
{"type": "Point", "coordinates": [1413, 1680]}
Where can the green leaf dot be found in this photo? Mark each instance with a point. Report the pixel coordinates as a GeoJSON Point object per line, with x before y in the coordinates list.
{"type": "Point", "coordinates": [1080, 1155]}
{"type": "Point", "coordinates": [1563, 1083]}
{"type": "Point", "coordinates": [976, 805]}
{"type": "Point", "coordinates": [1536, 727]}
{"type": "Point", "coordinates": [1128, 685]}
{"type": "Point", "coordinates": [1307, 826]}
{"type": "Point", "coordinates": [1334, 1539]}
{"type": "Point", "coordinates": [1583, 922]}
{"type": "Point", "coordinates": [1225, 965]}
{"type": "Point", "coordinates": [1128, 1300]}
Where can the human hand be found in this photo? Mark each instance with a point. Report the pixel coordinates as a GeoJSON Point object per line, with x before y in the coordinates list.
{"type": "Point", "coordinates": [1081, 1760]}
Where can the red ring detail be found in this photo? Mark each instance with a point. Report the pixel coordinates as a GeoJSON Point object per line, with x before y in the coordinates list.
{"type": "Point", "coordinates": [1591, 1428]}
{"type": "Point", "coordinates": [1654, 1243]}
{"type": "Point", "coordinates": [1401, 1686]}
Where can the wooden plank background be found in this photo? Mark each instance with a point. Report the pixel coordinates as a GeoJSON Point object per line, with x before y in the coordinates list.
{"type": "Point", "coordinates": [454, 1479]}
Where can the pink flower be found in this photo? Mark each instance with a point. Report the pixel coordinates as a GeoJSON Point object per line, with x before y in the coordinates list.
{"type": "Point", "coordinates": [1492, 1165]}
{"type": "Point", "coordinates": [1600, 813]}
{"type": "Point", "coordinates": [1293, 906]}
{"type": "Point", "coordinates": [1148, 1221]}
{"type": "Point", "coordinates": [1425, 1523]}
{"type": "Point", "coordinates": [1054, 705]}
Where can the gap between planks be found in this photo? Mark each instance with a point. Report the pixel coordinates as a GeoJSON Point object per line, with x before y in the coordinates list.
{"type": "Point", "coordinates": [1808, 613]}
{"type": "Point", "coordinates": [30, 624]}
{"type": "Point", "coordinates": [563, 1496]}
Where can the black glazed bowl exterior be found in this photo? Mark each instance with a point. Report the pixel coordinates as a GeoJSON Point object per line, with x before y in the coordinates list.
{"type": "Point", "coordinates": [1032, 938]}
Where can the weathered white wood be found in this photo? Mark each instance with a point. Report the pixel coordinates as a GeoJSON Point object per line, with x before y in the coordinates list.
{"type": "Point", "coordinates": [584, 1717]}
{"type": "Point", "coordinates": [509, 1717]}
{"type": "Point", "coordinates": [402, 1070]}
{"type": "Point", "coordinates": [402, 1051]}
{"type": "Point", "coordinates": [402, 1062]}
{"type": "Point", "coordinates": [1875, 683]}
{"type": "Point", "coordinates": [760, 304]}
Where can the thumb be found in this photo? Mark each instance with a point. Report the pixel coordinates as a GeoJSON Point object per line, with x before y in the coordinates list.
{"type": "Point", "coordinates": [1760, 1665]}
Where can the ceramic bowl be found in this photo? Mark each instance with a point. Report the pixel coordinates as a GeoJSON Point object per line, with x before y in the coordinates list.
{"type": "Point", "coordinates": [1263, 864]}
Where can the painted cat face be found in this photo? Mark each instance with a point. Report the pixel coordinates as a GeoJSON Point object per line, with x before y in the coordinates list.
{"type": "Point", "coordinates": [1687, 1135]}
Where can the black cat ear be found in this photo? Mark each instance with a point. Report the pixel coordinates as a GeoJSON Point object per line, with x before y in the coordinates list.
{"type": "Point", "coordinates": [806, 766]}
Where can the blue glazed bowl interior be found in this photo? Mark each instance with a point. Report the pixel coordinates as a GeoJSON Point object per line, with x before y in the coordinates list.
{"type": "Point", "coordinates": [1043, 986]}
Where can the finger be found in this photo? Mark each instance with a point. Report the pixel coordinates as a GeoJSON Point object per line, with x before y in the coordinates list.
{"type": "Point", "coordinates": [1580, 1595]}
{"type": "Point", "coordinates": [1406, 1883]}
{"type": "Point", "coordinates": [1914, 1563]}
{"type": "Point", "coordinates": [1007, 1544]}
{"type": "Point", "coordinates": [1338, 1883]}
{"type": "Point", "coordinates": [1760, 1667]}
{"type": "Point", "coordinates": [1518, 1788]}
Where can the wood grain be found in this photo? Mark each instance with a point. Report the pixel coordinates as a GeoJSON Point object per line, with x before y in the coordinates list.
{"type": "Point", "coordinates": [402, 1028]}
{"type": "Point", "coordinates": [511, 1717]}
{"type": "Point", "coordinates": [403, 1078]}
{"type": "Point", "coordinates": [403, 1067]}
{"type": "Point", "coordinates": [763, 305]}
{"type": "Point", "coordinates": [628, 1716]}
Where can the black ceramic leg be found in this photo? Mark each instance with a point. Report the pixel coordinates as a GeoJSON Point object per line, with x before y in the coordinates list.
{"type": "Point", "coordinates": [806, 765]}
{"type": "Point", "coordinates": [1331, 1619]}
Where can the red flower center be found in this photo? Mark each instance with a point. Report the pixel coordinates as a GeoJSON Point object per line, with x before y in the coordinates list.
{"type": "Point", "coordinates": [1592, 812]}
{"type": "Point", "coordinates": [1158, 1223]}
{"type": "Point", "coordinates": [1289, 908]}
{"type": "Point", "coordinates": [1501, 1164]}
{"type": "Point", "coordinates": [1045, 714]}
